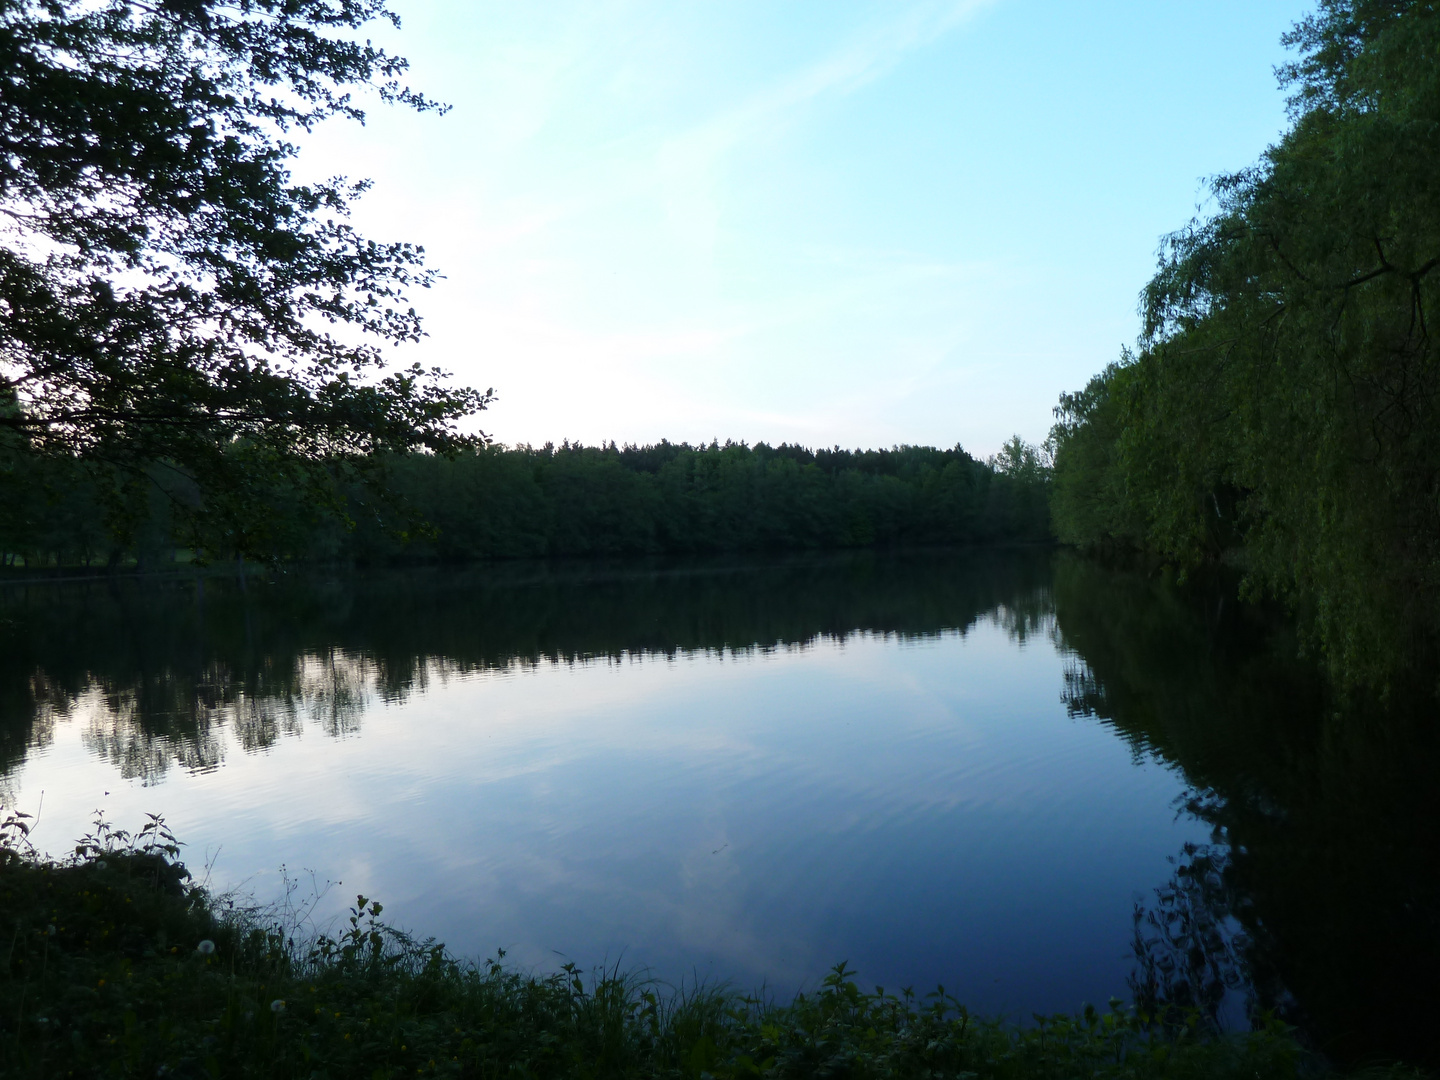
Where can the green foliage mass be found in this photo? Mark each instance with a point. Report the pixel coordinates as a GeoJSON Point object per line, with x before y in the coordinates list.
{"type": "Point", "coordinates": [118, 966]}
{"type": "Point", "coordinates": [169, 293]}
{"type": "Point", "coordinates": [1281, 410]}
{"type": "Point", "coordinates": [577, 500]}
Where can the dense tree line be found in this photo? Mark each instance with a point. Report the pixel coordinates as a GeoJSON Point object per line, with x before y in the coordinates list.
{"type": "Point", "coordinates": [1280, 411]}
{"type": "Point", "coordinates": [568, 500]}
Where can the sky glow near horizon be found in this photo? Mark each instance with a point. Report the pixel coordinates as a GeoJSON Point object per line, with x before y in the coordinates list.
{"type": "Point", "coordinates": [829, 223]}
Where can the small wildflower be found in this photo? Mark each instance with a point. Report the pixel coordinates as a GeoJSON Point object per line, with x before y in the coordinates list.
{"type": "Point", "coordinates": [206, 947]}
{"type": "Point", "coordinates": [277, 1006]}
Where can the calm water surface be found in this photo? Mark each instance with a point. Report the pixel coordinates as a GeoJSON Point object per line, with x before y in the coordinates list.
{"type": "Point", "coordinates": [969, 768]}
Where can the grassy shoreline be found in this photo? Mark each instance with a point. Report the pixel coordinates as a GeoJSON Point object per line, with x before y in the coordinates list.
{"type": "Point", "coordinates": [117, 965]}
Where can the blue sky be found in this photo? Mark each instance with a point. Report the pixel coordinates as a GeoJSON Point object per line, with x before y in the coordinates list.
{"type": "Point", "coordinates": [824, 222]}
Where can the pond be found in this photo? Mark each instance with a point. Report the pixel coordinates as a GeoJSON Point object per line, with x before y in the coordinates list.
{"type": "Point", "coordinates": [1033, 779]}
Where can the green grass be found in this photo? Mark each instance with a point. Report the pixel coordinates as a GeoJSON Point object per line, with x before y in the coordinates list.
{"type": "Point", "coordinates": [110, 971]}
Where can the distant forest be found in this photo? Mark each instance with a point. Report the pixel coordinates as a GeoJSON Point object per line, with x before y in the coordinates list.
{"type": "Point", "coordinates": [570, 500]}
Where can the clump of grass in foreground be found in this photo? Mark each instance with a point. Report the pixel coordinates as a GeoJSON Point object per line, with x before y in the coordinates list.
{"type": "Point", "coordinates": [118, 966]}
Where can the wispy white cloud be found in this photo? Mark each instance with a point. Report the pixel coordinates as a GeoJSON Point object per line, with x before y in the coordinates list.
{"type": "Point", "coordinates": [680, 168]}
{"type": "Point", "coordinates": [865, 56]}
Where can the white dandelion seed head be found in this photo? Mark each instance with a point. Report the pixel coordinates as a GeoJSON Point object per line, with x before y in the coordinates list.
{"type": "Point", "coordinates": [206, 947]}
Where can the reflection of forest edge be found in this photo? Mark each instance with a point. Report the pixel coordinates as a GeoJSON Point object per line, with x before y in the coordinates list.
{"type": "Point", "coordinates": [158, 668]}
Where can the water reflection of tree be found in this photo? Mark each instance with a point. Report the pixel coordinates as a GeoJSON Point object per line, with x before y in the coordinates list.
{"type": "Point", "coordinates": [1325, 810]}
{"type": "Point", "coordinates": [170, 673]}
{"type": "Point", "coordinates": [143, 729]}
{"type": "Point", "coordinates": [1191, 952]}
{"type": "Point", "coordinates": [1028, 614]}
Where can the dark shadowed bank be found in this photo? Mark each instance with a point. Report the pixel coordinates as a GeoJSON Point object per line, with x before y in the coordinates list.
{"type": "Point", "coordinates": [119, 966]}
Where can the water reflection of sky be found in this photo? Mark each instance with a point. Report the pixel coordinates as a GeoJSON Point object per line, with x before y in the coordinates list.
{"type": "Point", "coordinates": [920, 807]}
